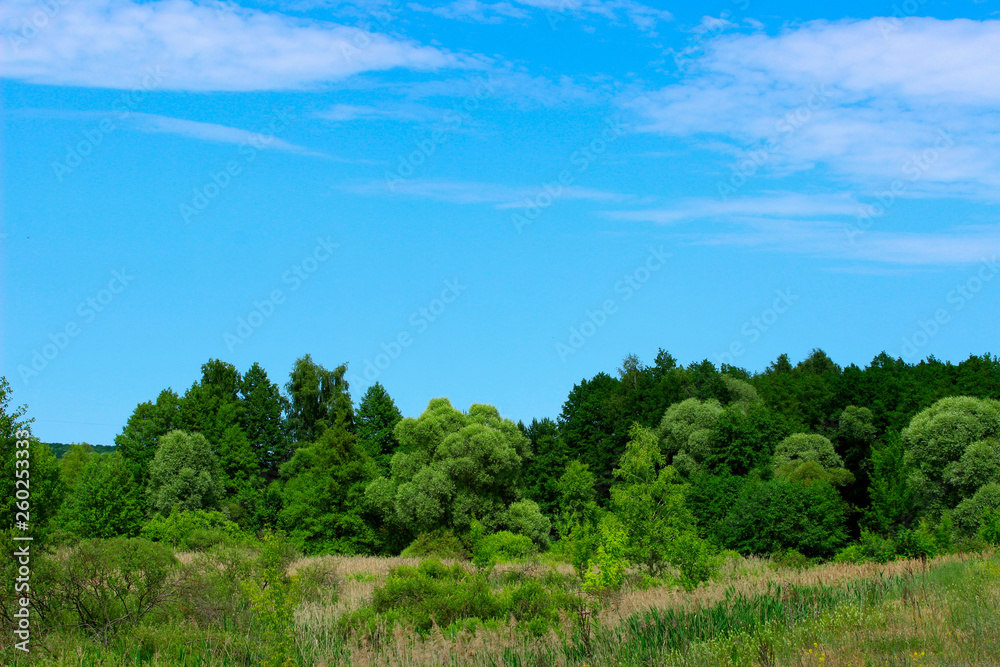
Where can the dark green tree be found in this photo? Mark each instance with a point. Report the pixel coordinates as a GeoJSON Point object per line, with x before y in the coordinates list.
{"type": "Point", "coordinates": [318, 399]}
{"type": "Point", "coordinates": [264, 421]}
{"type": "Point", "coordinates": [138, 440]}
{"type": "Point", "coordinates": [375, 424]}
{"type": "Point", "coordinates": [324, 495]}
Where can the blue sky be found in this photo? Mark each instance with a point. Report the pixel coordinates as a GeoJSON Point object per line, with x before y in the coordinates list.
{"type": "Point", "coordinates": [485, 201]}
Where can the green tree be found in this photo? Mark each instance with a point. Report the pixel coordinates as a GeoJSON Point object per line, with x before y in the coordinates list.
{"type": "Point", "coordinates": [775, 515]}
{"type": "Point", "coordinates": [744, 438]}
{"type": "Point", "coordinates": [542, 470]}
{"type": "Point", "coordinates": [938, 437]}
{"type": "Point", "coordinates": [319, 398]}
{"type": "Point", "coordinates": [73, 463]}
{"type": "Point", "coordinates": [687, 431]}
{"type": "Point", "coordinates": [139, 439]}
{"type": "Point", "coordinates": [106, 501]}
{"type": "Point", "coordinates": [324, 506]}
{"type": "Point", "coordinates": [264, 421]}
{"type": "Point", "coordinates": [376, 422]}
{"type": "Point", "coordinates": [185, 473]}
{"type": "Point", "coordinates": [892, 502]}
{"type": "Point", "coordinates": [809, 456]}
{"type": "Point", "coordinates": [649, 501]}
{"type": "Point", "coordinates": [31, 468]}
{"type": "Point", "coordinates": [451, 468]}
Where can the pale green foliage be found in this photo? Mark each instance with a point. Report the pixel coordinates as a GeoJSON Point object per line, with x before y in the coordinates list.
{"type": "Point", "coordinates": [809, 456]}
{"type": "Point", "coordinates": [189, 529]}
{"type": "Point", "coordinates": [606, 570]}
{"type": "Point", "coordinates": [968, 515]}
{"type": "Point", "coordinates": [649, 501]}
{"type": "Point", "coordinates": [452, 467]}
{"type": "Point", "coordinates": [979, 465]}
{"type": "Point", "coordinates": [73, 463]}
{"type": "Point", "coordinates": [855, 424]}
{"type": "Point", "coordinates": [525, 518]}
{"type": "Point", "coordinates": [184, 473]}
{"type": "Point", "coordinates": [686, 430]}
{"type": "Point", "coordinates": [939, 436]}
{"type": "Point", "coordinates": [740, 392]}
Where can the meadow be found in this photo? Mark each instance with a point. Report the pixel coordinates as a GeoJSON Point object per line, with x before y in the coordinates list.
{"type": "Point", "coordinates": [244, 605]}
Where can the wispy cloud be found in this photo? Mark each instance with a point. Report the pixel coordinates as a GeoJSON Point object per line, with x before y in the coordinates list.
{"type": "Point", "coordinates": [215, 133]}
{"type": "Point", "coordinates": [475, 11]}
{"type": "Point", "coordinates": [471, 192]}
{"type": "Point", "coordinates": [641, 16]}
{"type": "Point", "coordinates": [813, 225]}
{"type": "Point", "coordinates": [109, 44]}
{"type": "Point", "coordinates": [857, 98]}
{"type": "Point", "coordinates": [778, 205]}
{"type": "Point", "coordinates": [400, 112]}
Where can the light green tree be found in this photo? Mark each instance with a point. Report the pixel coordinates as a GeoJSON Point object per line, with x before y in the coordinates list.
{"type": "Point", "coordinates": [809, 456]}
{"type": "Point", "coordinates": [937, 438]}
{"type": "Point", "coordinates": [185, 473]}
{"type": "Point", "coordinates": [106, 501]}
{"type": "Point", "coordinates": [686, 431]}
{"type": "Point", "coordinates": [649, 501]}
{"type": "Point", "coordinates": [451, 468]}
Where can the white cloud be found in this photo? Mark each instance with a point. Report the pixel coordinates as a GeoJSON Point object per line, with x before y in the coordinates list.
{"type": "Point", "coordinates": [472, 192]}
{"type": "Point", "coordinates": [814, 225]}
{"type": "Point", "coordinates": [777, 205]}
{"type": "Point", "coordinates": [216, 133]}
{"type": "Point", "coordinates": [862, 98]}
{"type": "Point", "coordinates": [111, 43]}
{"type": "Point", "coordinates": [474, 11]}
{"type": "Point", "coordinates": [405, 113]}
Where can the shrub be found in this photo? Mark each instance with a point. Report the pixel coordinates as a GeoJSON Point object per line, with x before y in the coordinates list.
{"type": "Point", "coordinates": [989, 529]}
{"type": "Point", "coordinates": [453, 598]}
{"type": "Point", "coordinates": [195, 530]}
{"type": "Point", "coordinates": [525, 518]}
{"type": "Point", "coordinates": [114, 583]}
{"type": "Point", "coordinates": [870, 548]}
{"type": "Point", "coordinates": [505, 546]}
{"type": "Point", "coordinates": [439, 544]}
{"type": "Point", "coordinates": [969, 513]}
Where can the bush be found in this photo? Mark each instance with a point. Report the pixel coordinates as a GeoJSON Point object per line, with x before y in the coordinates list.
{"type": "Point", "coordinates": [989, 529]}
{"type": "Point", "coordinates": [526, 518]}
{"type": "Point", "coordinates": [505, 546]}
{"type": "Point", "coordinates": [114, 583]}
{"type": "Point", "coordinates": [968, 516]}
{"type": "Point", "coordinates": [193, 530]}
{"type": "Point", "coordinates": [453, 598]}
{"type": "Point", "coordinates": [438, 544]}
{"type": "Point", "coordinates": [871, 548]}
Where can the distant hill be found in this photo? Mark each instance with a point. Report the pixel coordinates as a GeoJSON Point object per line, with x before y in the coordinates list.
{"type": "Point", "coordinates": [59, 448]}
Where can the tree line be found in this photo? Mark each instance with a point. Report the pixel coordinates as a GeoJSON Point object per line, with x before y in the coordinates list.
{"type": "Point", "coordinates": [662, 462]}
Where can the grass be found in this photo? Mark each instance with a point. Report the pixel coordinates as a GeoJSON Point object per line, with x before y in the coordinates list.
{"type": "Point", "coordinates": [905, 613]}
